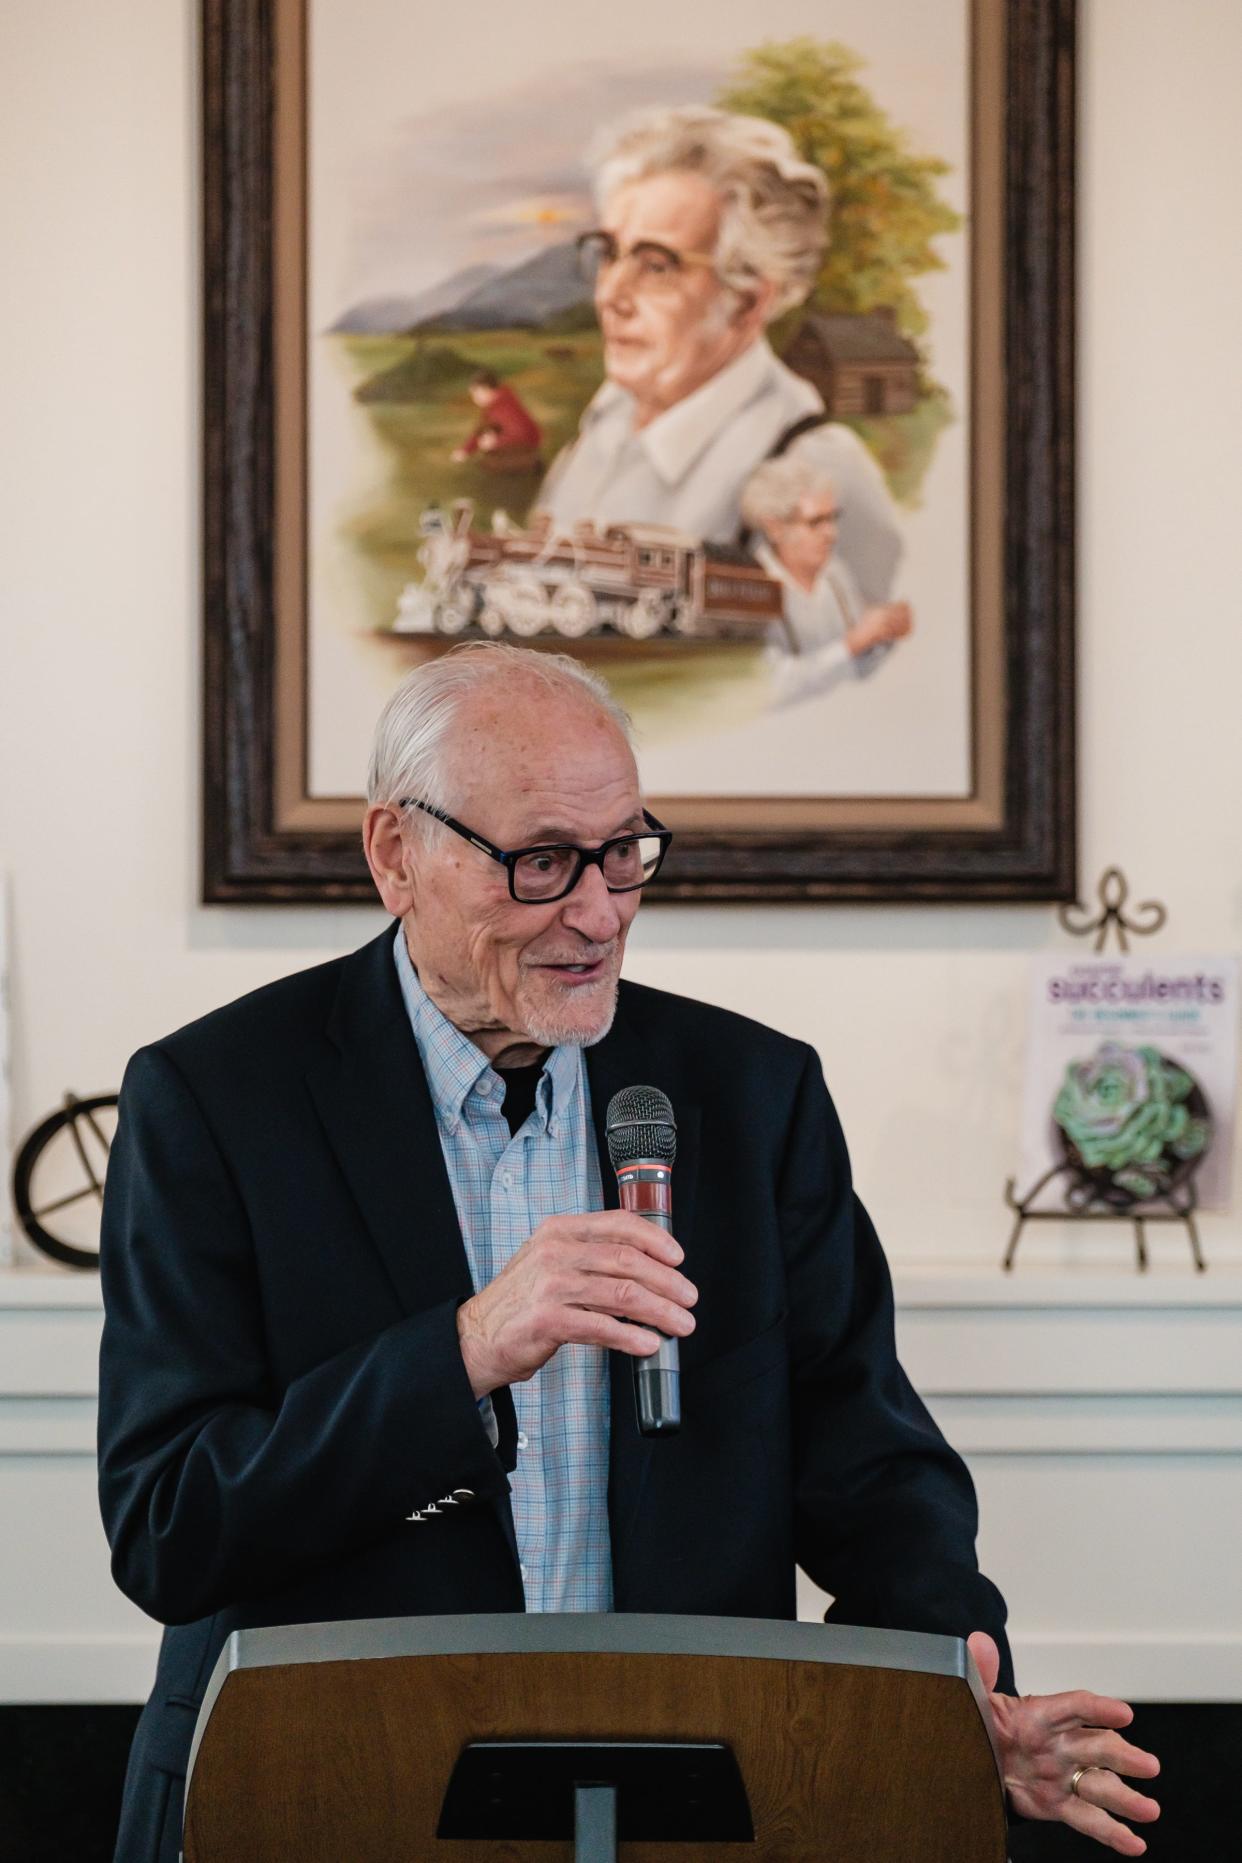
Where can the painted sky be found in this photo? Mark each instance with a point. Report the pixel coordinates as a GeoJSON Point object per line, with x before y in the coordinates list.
{"type": "Point", "coordinates": [434, 148]}
{"type": "Point", "coordinates": [491, 187]}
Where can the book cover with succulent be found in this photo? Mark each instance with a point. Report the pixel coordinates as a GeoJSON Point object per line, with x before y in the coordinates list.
{"type": "Point", "coordinates": [1131, 1080]}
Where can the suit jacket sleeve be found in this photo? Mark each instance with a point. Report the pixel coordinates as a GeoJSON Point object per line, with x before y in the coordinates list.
{"type": "Point", "coordinates": [885, 1513]}
{"type": "Point", "coordinates": [216, 1484]}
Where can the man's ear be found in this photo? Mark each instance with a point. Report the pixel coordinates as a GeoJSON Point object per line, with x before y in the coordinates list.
{"type": "Point", "coordinates": [389, 858]}
{"type": "Point", "coordinates": [753, 311]}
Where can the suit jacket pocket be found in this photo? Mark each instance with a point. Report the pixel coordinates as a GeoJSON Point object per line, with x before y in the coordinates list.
{"type": "Point", "coordinates": [168, 1742]}
{"type": "Point", "coordinates": [738, 1364]}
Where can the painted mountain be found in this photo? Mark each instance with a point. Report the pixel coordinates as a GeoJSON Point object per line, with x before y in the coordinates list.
{"type": "Point", "coordinates": [529, 295]}
{"type": "Point", "coordinates": [389, 316]}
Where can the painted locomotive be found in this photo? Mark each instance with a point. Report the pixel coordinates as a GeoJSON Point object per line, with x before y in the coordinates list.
{"type": "Point", "coordinates": [637, 582]}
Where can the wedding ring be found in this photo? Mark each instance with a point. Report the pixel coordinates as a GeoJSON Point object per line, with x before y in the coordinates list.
{"type": "Point", "coordinates": [1075, 1780]}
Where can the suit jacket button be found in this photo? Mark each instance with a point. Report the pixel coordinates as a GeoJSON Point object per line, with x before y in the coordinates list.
{"type": "Point", "coordinates": [463, 1496]}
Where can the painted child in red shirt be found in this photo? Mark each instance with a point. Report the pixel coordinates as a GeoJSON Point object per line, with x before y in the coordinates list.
{"type": "Point", "coordinates": [507, 434]}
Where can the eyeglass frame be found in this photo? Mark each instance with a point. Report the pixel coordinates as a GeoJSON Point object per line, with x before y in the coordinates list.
{"type": "Point", "coordinates": [587, 856]}
{"type": "Point", "coordinates": [821, 521]}
{"type": "Point", "coordinates": [679, 259]}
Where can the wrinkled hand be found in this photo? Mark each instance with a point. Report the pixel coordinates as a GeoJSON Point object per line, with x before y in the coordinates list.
{"type": "Point", "coordinates": [1044, 1739]}
{"type": "Point", "coordinates": [890, 621]}
{"type": "Point", "coordinates": [578, 1280]}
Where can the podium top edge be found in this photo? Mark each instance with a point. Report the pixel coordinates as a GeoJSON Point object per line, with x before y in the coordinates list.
{"type": "Point", "coordinates": [592, 1633]}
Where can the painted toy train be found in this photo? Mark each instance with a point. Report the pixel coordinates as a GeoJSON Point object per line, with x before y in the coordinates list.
{"type": "Point", "coordinates": [636, 582]}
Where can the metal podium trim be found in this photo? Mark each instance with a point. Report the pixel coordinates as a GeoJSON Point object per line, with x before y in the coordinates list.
{"type": "Point", "coordinates": [503, 1633]}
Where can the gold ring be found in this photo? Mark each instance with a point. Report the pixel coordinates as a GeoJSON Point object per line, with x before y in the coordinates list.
{"type": "Point", "coordinates": [1074, 1782]}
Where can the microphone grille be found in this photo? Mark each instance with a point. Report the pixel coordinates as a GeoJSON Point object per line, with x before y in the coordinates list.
{"type": "Point", "coordinates": [640, 1124]}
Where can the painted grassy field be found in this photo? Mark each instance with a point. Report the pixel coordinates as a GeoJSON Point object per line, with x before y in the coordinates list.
{"type": "Point", "coordinates": [555, 376]}
{"type": "Point", "coordinates": [413, 391]}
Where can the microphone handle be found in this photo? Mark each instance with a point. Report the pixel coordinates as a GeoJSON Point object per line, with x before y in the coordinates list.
{"type": "Point", "coordinates": [646, 1189]}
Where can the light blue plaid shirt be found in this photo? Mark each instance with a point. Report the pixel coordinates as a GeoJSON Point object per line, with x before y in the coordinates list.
{"type": "Point", "coordinates": [504, 1188]}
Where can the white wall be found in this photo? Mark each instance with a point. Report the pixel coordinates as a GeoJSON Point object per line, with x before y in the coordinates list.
{"type": "Point", "coordinates": [918, 1012]}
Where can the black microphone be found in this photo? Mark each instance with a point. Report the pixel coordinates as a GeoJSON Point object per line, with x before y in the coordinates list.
{"type": "Point", "coordinates": [642, 1143]}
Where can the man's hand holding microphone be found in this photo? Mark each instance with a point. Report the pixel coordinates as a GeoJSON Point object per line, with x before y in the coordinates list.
{"type": "Point", "coordinates": [609, 1278]}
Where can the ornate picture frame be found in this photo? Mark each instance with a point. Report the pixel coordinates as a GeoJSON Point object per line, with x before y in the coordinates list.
{"type": "Point", "coordinates": [1010, 835]}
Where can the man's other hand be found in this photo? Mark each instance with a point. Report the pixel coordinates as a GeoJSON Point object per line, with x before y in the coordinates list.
{"type": "Point", "coordinates": [602, 1279]}
{"type": "Point", "coordinates": [1044, 1742]}
{"type": "Point", "coordinates": [880, 627]}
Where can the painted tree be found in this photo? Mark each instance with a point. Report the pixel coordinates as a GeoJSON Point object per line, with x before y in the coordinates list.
{"type": "Point", "coordinates": [886, 208]}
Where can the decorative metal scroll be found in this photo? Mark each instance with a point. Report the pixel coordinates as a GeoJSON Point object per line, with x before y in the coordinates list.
{"type": "Point", "coordinates": [1113, 892]}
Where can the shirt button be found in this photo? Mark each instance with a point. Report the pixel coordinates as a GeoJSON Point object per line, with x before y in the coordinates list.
{"type": "Point", "coordinates": [506, 1178]}
{"type": "Point", "coordinates": [522, 1439]}
{"type": "Point", "coordinates": [522, 1570]}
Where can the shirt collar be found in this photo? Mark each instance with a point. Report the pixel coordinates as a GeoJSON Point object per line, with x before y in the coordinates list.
{"type": "Point", "coordinates": [676, 438]}
{"type": "Point", "coordinates": [456, 1069]}
{"type": "Point", "coordinates": [767, 558]}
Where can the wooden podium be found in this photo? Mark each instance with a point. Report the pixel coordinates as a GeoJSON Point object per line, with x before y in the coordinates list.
{"type": "Point", "coordinates": [538, 1738]}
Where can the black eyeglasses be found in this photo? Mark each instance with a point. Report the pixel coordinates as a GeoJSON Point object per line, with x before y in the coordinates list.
{"type": "Point", "coordinates": [653, 266]}
{"type": "Point", "coordinates": [537, 875]}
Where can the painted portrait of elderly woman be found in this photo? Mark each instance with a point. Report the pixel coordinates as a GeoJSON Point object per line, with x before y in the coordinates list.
{"type": "Point", "coordinates": [676, 351]}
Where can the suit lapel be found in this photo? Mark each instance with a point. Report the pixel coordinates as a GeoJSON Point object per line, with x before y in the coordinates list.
{"type": "Point", "coordinates": [624, 1059]}
{"type": "Point", "coordinates": [372, 1097]}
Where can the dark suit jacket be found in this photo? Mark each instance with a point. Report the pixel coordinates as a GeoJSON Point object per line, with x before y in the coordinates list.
{"type": "Point", "coordinates": [281, 1385]}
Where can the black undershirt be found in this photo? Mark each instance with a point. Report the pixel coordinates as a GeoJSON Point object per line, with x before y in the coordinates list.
{"type": "Point", "coordinates": [521, 1087]}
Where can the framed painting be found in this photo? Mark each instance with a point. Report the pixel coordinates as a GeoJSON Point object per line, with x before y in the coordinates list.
{"type": "Point", "coordinates": [728, 350]}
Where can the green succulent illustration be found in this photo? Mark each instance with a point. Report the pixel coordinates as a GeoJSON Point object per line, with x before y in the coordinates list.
{"type": "Point", "coordinates": [1125, 1112]}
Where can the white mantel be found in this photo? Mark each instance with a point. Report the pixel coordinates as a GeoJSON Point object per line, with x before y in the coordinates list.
{"type": "Point", "coordinates": [1100, 1411]}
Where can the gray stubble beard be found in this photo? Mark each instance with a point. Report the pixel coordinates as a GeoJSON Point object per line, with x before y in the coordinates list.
{"type": "Point", "coordinates": [548, 1035]}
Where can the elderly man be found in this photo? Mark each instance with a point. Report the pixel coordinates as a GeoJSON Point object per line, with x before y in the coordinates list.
{"type": "Point", "coordinates": [711, 227]}
{"type": "Point", "coordinates": [791, 506]}
{"type": "Point", "coordinates": [362, 1257]}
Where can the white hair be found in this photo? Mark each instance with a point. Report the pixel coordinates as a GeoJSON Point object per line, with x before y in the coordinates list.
{"type": "Point", "coordinates": [777, 487]}
{"type": "Point", "coordinates": [411, 753]}
{"type": "Point", "coordinates": [774, 206]}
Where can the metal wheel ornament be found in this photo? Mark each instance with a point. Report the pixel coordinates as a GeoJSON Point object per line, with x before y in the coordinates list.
{"type": "Point", "coordinates": [525, 608]}
{"type": "Point", "coordinates": [70, 1146]}
{"type": "Point", "coordinates": [455, 613]}
{"type": "Point", "coordinates": [645, 618]}
{"type": "Point", "coordinates": [574, 610]}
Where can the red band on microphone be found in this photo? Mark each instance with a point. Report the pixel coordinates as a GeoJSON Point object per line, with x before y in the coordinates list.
{"type": "Point", "coordinates": [645, 1186]}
